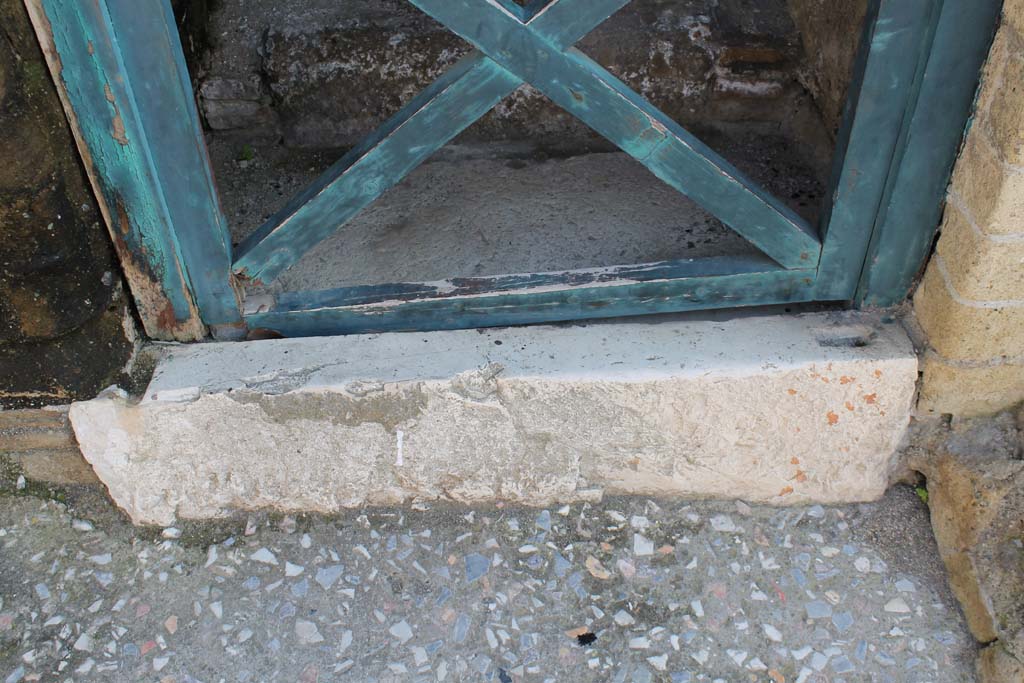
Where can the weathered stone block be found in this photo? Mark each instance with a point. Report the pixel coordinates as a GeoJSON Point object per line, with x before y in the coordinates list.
{"type": "Point", "coordinates": [955, 389]}
{"type": "Point", "coordinates": [64, 330]}
{"type": "Point", "coordinates": [979, 267]}
{"type": "Point", "coordinates": [1001, 107]}
{"type": "Point", "coordinates": [830, 32]}
{"type": "Point", "coordinates": [216, 88]}
{"type": "Point", "coordinates": [996, 665]}
{"type": "Point", "coordinates": [338, 70]}
{"type": "Point", "coordinates": [778, 410]}
{"type": "Point", "coordinates": [993, 192]}
{"type": "Point", "coordinates": [962, 330]}
{"type": "Point", "coordinates": [1013, 16]}
{"type": "Point", "coordinates": [42, 446]}
{"type": "Point", "coordinates": [238, 114]}
{"type": "Point", "coordinates": [976, 498]}
{"type": "Point", "coordinates": [236, 103]}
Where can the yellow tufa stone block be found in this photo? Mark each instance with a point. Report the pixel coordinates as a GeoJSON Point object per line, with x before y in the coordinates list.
{"type": "Point", "coordinates": [961, 330]}
{"type": "Point", "coordinates": [969, 391]}
{"type": "Point", "coordinates": [992, 192]}
{"type": "Point", "coordinates": [42, 445]}
{"type": "Point", "coordinates": [978, 267]}
{"type": "Point", "coordinates": [1001, 106]}
{"type": "Point", "coordinates": [996, 665]}
{"type": "Point", "coordinates": [1013, 16]}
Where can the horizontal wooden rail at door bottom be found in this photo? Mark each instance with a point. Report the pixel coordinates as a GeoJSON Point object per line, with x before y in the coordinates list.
{"type": "Point", "coordinates": [667, 287]}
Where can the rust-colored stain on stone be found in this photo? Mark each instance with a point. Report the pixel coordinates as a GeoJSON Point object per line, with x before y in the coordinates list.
{"type": "Point", "coordinates": [849, 406]}
{"type": "Point", "coordinates": [800, 476]}
{"type": "Point", "coordinates": [833, 419]}
{"type": "Point", "coordinates": [870, 399]}
{"type": "Point", "coordinates": [794, 461]}
{"type": "Point", "coordinates": [792, 392]}
{"type": "Point", "coordinates": [846, 380]}
{"type": "Point", "coordinates": [786, 491]}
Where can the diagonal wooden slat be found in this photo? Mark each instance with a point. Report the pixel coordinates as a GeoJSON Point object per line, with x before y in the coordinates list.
{"type": "Point", "coordinates": [447, 107]}
{"type": "Point", "coordinates": [585, 89]}
{"type": "Point", "coordinates": [451, 104]}
{"type": "Point", "coordinates": [520, 12]}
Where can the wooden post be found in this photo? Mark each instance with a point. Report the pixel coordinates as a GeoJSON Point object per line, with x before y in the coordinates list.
{"type": "Point", "coordinates": [910, 212]}
{"type": "Point", "coordinates": [120, 72]}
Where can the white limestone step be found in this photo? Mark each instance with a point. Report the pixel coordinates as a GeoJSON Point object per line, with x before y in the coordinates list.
{"type": "Point", "coordinates": [775, 409]}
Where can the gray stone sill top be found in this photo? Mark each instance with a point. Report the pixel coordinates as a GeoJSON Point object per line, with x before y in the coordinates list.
{"type": "Point", "coordinates": [611, 352]}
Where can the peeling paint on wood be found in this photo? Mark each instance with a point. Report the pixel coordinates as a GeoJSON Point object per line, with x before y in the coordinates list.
{"type": "Point", "coordinates": [117, 174]}
{"type": "Point", "coordinates": [663, 288]}
{"type": "Point", "coordinates": [144, 155]}
{"type": "Point", "coordinates": [155, 309]}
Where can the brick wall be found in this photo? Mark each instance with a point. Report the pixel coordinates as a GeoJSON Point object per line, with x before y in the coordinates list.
{"type": "Point", "coordinates": [971, 300]}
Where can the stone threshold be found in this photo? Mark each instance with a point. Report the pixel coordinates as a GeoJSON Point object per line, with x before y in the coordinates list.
{"type": "Point", "coordinates": [778, 409]}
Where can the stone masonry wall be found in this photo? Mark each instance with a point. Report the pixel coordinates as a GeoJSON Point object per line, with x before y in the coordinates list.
{"type": "Point", "coordinates": [830, 32]}
{"type": "Point", "coordinates": [319, 73]}
{"type": "Point", "coordinates": [65, 331]}
{"type": "Point", "coordinates": [971, 300]}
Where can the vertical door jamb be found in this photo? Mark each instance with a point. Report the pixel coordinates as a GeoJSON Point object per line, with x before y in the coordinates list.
{"type": "Point", "coordinates": [893, 49]}
{"type": "Point", "coordinates": [119, 69]}
{"type": "Point", "coordinates": [911, 208]}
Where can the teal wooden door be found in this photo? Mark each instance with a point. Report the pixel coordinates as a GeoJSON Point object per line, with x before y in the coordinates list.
{"type": "Point", "coordinates": [119, 66]}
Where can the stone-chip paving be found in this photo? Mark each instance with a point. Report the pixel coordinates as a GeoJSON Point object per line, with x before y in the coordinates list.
{"type": "Point", "coordinates": [626, 590]}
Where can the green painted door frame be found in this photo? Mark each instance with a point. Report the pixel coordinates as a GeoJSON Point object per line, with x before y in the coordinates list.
{"type": "Point", "coordinates": [119, 67]}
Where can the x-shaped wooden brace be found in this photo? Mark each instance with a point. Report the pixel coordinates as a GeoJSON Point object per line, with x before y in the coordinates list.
{"type": "Point", "coordinates": [532, 45]}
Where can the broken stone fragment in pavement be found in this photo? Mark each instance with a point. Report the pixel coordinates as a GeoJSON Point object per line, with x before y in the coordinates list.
{"type": "Point", "coordinates": [307, 633]}
{"type": "Point", "coordinates": [264, 556]}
